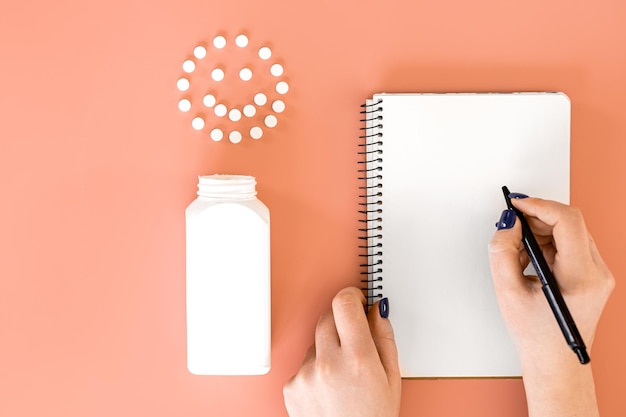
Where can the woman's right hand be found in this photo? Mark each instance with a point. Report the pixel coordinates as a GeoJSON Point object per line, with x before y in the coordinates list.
{"type": "Point", "coordinates": [551, 371]}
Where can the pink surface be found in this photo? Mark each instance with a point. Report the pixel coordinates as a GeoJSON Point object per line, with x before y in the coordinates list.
{"type": "Point", "coordinates": [97, 166]}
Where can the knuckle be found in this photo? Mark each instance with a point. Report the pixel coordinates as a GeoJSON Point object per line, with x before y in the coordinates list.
{"type": "Point", "coordinates": [359, 363]}
{"type": "Point", "coordinates": [324, 323]}
{"type": "Point", "coordinates": [497, 245]}
{"type": "Point", "coordinates": [288, 388]}
{"type": "Point", "coordinates": [574, 214]}
{"type": "Point", "coordinates": [324, 369]}
{"type": "Point", "coordinates": [386, 338]}
{"type": "Point", "coordinates": [494, 246]}
{"type": "Point", "coordinates": [291, 388]}
{"type": "Point", "coordinates": [609, 283]}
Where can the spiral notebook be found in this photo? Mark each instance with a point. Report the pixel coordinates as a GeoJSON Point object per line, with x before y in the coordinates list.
{"type": "Point", "coordinates": [432, 169]}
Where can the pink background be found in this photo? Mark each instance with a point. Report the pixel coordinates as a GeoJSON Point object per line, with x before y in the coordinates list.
{"type": "Point", "coordinates": [97, 166]}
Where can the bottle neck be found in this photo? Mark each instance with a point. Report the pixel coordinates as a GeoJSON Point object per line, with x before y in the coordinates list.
{"type": "Point", "coordinates": [227, 187]}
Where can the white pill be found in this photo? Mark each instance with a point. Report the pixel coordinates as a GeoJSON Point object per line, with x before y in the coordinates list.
{"type": "Point", "coordinates": [184, 105]}
{"type": "Point", "coordinates": [219, 42]}
{"type": "Point", "coordinates": [182, 84]}
{"type": "Point", "coordinates": [271, 120]}
{"type": "Point", "coordinates": [265, 53]}
{"type": "Point", "coordinates": [217, 74]}
{"type": "Point", "coordinates": [234, 115]}
{"type": "Point", "coordinates": [197, 123]}
{"type": "Point", "coordinates": [217, 135]}
{"type": "Point", "coordinates": [234, 136]}
{"type": "Point", "coordinates": [199, 52]}
{"type": "Point", "coordinates": [189, 66]}
{"type": "Point", "coordinates": [282, 87]}
{"type": "Point", "coordinates": [256, 132]}
{"type": "Point", "coordinates": [209, 100]}
{"type": "Point", "coordinates": [241, 41]}
{"type": "Point", "coordinates": [260, 99]}
{"type": "Point", "coordinates": [245, 74]}
{"type": "Point", "coordinates": [249, 110]}
{"type": "Point", "coordinates": [220, 110]}
{"type": "Point", "coordinates": [278, 106]}
{"type": "Point", "coordinates": [276, 70]}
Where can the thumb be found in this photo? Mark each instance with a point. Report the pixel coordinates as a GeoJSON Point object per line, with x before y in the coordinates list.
{"type": "Point", "coordinates": [504, 255]}
{"type": "Point", "coordinates": [382, 334]}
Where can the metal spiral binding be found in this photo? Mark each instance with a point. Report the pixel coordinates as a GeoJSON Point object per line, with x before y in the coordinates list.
{"type": "Point", "coordinates": [370, 172]}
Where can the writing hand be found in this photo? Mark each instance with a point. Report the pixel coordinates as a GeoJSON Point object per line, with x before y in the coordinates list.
{"type": "Point", "coordinates": [556, 383]}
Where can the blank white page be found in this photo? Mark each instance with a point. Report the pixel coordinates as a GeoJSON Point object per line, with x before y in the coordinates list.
{"type": "Point", "coordinates": [445, 159]}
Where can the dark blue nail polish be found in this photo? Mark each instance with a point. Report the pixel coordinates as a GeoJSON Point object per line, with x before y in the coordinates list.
{"type": "Point", "coordinates": [383, 308]}
{"type": "Point", "coordinates": [507, 219]}
{"type": "Point", "coordinates": [517, 195]}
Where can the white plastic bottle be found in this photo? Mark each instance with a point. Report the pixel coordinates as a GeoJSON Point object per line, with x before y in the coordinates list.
{"type": "Point", "coordinates": [228, 278]}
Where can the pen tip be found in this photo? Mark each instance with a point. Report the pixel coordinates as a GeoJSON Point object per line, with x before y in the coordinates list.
{"type": "Point", "coordinates": [506, 192]}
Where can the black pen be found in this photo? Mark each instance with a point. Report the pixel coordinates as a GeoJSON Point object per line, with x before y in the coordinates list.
{"type": "Point", "coordinates": [549, 286]}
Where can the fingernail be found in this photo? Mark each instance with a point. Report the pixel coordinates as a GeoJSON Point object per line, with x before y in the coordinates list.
{"type": "Point", "coordinates": [383, 308]}
{"type": "Point", "coordinates": [507, 219]}
{"type": "Point", "coordinates": [517, 195]}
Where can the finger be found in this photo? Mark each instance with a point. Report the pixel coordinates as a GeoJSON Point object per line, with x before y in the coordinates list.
{"type": "Point", "coordinates": [571, 237]}
{"type": "Point", "coordinates": [504, 259]}
{"type": "Point", "coordinates": [326, 338]}
{"type": "Point", "coordinates": [541, 230]}
{"type": "Point", "coordinates": [384, 340]}
{"type": "Point", "coordinates": [351, 323]}
{"type": "Point", "coordinates": [549, 253]}
{"type": "Point", "coordinates": [543, 236]}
